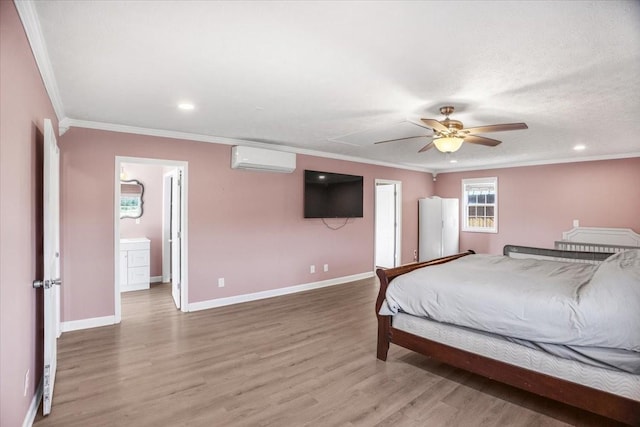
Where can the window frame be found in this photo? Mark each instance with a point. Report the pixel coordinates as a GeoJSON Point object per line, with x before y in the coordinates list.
{"type": "Point", "coordinates": [492, 181]}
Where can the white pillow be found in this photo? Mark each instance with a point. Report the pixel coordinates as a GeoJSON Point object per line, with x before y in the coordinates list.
{"type": "Point", "coordinates": [610, 302]}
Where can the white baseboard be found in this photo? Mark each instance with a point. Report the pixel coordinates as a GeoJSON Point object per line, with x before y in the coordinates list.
{"type": "Point", "coordinates": [220, 302]}
{"type": "Point", "coordinates": [134, 287]}
{"type": "Point", "coordinates": [94, 322]}
{"type": "Point", "coordinates": [140, 286]}
{"type": "Point", "coordinates": [33, 408]}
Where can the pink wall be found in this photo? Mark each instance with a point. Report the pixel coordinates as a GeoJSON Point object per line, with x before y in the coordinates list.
{"type": "Point", "coordinates": [244, 226]}
{"type": "Point", "coordinates": [537, 203]}
{"type": "Point", "coordinates": [23, 106]}
{"type": "Point", "coordinates": [150, 224]}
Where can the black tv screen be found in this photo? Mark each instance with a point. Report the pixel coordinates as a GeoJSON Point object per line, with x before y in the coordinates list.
{"type": "Point", "coordinates": [332, 195]}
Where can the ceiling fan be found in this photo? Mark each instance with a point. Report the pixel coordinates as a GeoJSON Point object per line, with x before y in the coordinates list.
{"type": "Point", "coordinates": [448, 134]}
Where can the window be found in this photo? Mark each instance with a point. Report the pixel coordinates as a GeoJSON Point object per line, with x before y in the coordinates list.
{"type": "Point", "coordinates": [480, 205]}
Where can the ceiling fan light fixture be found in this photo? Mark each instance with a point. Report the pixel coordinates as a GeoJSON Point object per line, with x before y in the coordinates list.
{"type": "Point", "coordinates": [448, 144]}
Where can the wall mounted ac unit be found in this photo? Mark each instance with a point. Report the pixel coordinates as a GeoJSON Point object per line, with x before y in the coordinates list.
{"type": "Point", "coordinates": [259, 159]}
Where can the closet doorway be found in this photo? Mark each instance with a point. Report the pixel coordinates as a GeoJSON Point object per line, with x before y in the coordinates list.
{"type": "Point", "coordinates": [150, 244]}
{"type": "Point", "coordinates": [388, 197]}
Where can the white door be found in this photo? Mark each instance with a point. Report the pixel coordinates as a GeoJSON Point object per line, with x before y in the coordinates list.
{"type": "Point", "coordinates": [450, 227]}
{"type": "Point", "coordinates": [387, 237]}
{"type": "Point", "coordinates": [430, 228]}
{"type": "Point", "coordinates": [176, 236]}
{"type": "Point", "coordinates": [51, 235]}
{"type": "Point", "coordinates": [166, 226]}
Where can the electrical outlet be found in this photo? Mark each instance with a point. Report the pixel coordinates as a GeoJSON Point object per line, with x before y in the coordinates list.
{"type": "Point", "coordinates": [26, 382]}
{"type": "Point", "coordinates": [221, 282]}
{"type": "Point", "coordinates": [576, 223]}
{"type": "Point", "coordinates": [415, 255]}
{"type": "Point", "coordinates": [137, 220]}
{"type": "Point", "coordinates": [312, 269]}
{"type": "Point", "coordinates": [326, 267]}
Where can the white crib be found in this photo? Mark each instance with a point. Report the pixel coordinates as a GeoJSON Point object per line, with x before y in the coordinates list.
{"type": "Point", "coordinates": [598, 239]}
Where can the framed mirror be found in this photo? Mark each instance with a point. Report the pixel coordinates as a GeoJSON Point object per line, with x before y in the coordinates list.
{"type": "Point", "coordinates": [131, 198]}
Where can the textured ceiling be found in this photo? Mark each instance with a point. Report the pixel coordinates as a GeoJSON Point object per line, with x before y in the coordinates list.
{"type": "Point", "coordinates": [338, 76]}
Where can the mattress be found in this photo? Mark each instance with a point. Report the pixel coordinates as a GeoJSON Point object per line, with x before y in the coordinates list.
{"type": "Point", "coordinates": [615, 382]}
{"type": "Point", "coordinates": [560, 303]}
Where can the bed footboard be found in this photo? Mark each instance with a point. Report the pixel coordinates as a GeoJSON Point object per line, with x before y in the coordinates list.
{"type": "Point", "coordinates": [386, 275]}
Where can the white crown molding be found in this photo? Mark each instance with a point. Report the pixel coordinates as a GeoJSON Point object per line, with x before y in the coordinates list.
{"type": "Point", "coordinates": [31, 23]}
{"type": "Point", "coordinates": [63, 126]}
{"type": "Point", "coordinates": [68, 122]}
{"type": "Point", "coordinates": [542, 163]}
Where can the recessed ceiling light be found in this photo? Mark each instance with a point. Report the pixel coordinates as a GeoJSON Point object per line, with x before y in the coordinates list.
{"type": "Point", "coordinates": [186, 106]}
{"type": "Point", "coordinates": [579, 147]}
{"type": "Point", "coordinates": [453, 161]}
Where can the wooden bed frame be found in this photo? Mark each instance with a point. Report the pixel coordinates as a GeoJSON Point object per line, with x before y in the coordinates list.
{"type": "Point", "coordinates": [597, 401]}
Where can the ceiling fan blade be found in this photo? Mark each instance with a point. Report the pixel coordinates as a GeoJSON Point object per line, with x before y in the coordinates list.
{"type": "Point", "coordinates": [401, 139]}
{"type": "Point", "coordinates": [420, 124]}
{"type": "Point", "coordinates": [426, 147]}
{"type": "Point", "coordinates": [474, 139]}
{"type": "Point", "coordinates": [496, 128]}
{"type": "Point", "coordinates": [435, 125]}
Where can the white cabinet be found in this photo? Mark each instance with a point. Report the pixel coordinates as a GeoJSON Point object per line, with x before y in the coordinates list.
{"type": "Point", "coordinates": [438, 227]}
{"type": "Point", "coordinates": [134, 264]}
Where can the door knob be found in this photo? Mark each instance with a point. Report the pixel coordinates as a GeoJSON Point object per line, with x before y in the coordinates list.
{"type": "Point", "coordinates": [46, 283]}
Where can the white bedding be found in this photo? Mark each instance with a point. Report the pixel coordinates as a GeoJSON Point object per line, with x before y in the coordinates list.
{"type": "Point", "coordinates": [534, 300]}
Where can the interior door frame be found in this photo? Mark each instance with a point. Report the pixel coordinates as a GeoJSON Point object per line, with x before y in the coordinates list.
{"type": "Point", "coordinates": [398, 222]}
{"type": "Point", "coordinates": [182, 166]}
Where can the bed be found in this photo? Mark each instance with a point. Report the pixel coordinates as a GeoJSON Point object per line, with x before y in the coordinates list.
{"type": "Point", "coordinates": [591, 385]}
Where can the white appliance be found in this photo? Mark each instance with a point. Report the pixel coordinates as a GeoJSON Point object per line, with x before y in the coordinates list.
{"type": "Point", "coordinates": [438, 228]}
{"type": "Point", "coordinates": [259, 159]}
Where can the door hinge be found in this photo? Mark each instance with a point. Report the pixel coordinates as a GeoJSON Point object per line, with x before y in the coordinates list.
{"type": "Point", "coordinates": [46, 394]}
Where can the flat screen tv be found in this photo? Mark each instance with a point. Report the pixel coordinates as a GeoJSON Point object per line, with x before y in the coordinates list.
{"type": "Point", "coordinates": [332, 195]}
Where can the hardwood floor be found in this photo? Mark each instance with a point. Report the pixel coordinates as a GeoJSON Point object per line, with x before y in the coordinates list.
{"type": "Point", "coordinates": [299, 360]}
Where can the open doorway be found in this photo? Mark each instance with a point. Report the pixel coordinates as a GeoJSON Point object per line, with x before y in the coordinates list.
{"type": "Point", "coordinates": [388, 216]}
{"type": "Point", "coordinates": [147, 220]}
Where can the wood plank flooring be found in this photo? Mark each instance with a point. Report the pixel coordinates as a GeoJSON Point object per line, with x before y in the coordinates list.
{"type": "Point", "coordinates": [298, 360]}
